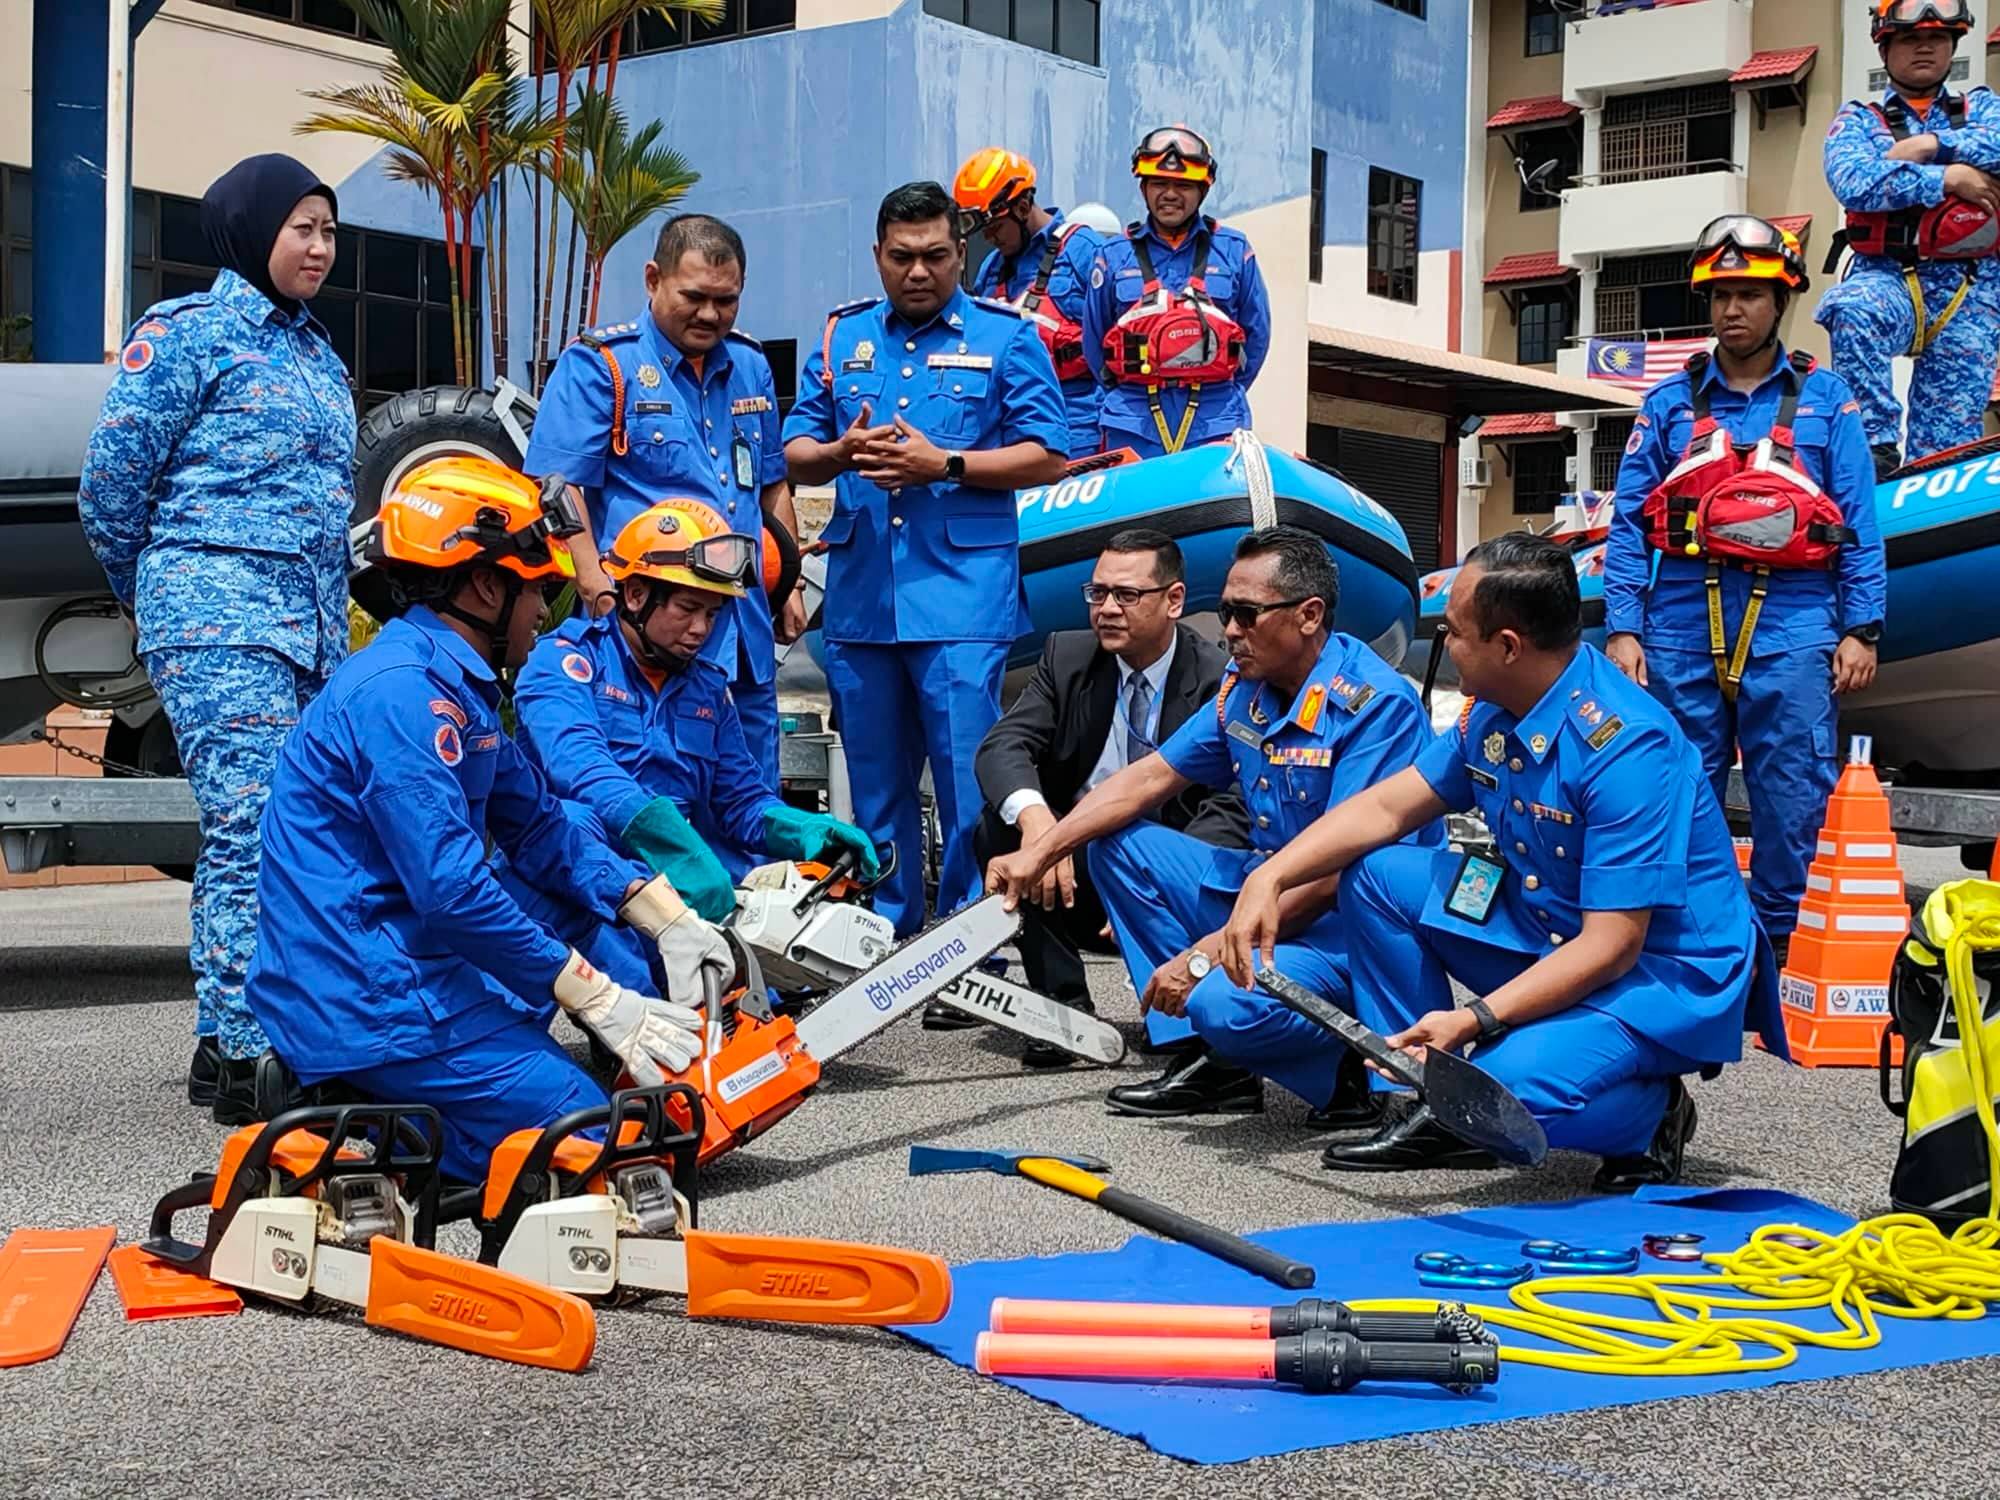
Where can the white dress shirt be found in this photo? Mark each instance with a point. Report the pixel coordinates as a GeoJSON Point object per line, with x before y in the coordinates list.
{"type": "Point", "coordinates": [1116, 754]}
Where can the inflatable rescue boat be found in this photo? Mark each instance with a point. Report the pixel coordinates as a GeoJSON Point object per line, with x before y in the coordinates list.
{"type": "Point", "coordinates": [1935, 702]}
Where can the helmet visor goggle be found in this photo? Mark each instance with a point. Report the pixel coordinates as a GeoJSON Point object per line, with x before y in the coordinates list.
{"type": "Point", "coordinates": [721, 559]}
{"type": "Point", "coordinates": [1174, 153]}
{"type": "Point", "coordinates": [1954, 15]}
{"type": "Point", "coordinates": [1749, 234]}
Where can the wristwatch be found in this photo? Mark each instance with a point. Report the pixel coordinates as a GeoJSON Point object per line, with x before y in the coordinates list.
{"type": "Point", "coordinates": [1199, 964]}
{"type": "Point", "coordinates": [1490, 1025]}
{"type": "Point", "coordinates": [1869, 634]}
{"type": "Point", "coordinates": [954, 467]}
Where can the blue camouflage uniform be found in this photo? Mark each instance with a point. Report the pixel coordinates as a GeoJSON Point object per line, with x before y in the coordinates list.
{"type": "Point", "coordinates": [216, 494]}
{"type": "Point", "coordinates": [1235, 285]}
{"type": "Point", "coordinates": [923, 590]}
{"type": "Point", "coordinates": [1597, 802]}
{"type": "Point", "coordinates": [712, 437]}
{"type": "Point", "coordinates": [1783, 719]}
{"type": "Point", "coordinates": [1069, 283]}
{"type": "Point", "coordinates": [392, 958]}
{"type": "Point", "coordinates": [1869, 317]}
{"type": "Point", "coordinates": [610, 736]}
{"type": "Point", "coordinates": [1354, 721]}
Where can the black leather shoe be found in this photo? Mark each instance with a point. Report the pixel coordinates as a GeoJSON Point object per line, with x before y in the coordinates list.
{"type": "Point", "coordinates": [249, 1090]}
{"type": "Point", "coordinates": [941, 1017]}
{"type": "Point", "coordinates": [1354, 1106]}
{"type": "Point", "coordinates": [1412, 1142]}
{"type": "Point", "coordinates": [1198, 1084]}
{"type": "Point", "coordinates": [203, 1070]}
{"type": "Point", "coordinates": [1661, 1162]}
{"type": "Point", "coordinates": [1046, 1055]}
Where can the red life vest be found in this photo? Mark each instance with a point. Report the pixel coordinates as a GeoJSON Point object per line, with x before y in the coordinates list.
{"type": "Point", "coordinates": [1951, 230]}
{"type": "Point", "coordinates": [1748, 505]}
{"type": "Point", "coordinates": [1061, 334]}
{"type": "Point", "coordinates": [1173, 338]}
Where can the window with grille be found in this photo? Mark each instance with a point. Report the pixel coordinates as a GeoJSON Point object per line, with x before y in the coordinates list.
{"type": "Point", "coordinates": [17, 273]}
{"type": "Point", "coordinates": [1538, 476]}
{"type": "Point", "coordinates": [1649, 296]}
{"type": "Point", "coordinates": [1394, 216]}
{"type": "Point", "coordinates": [1607, 452]}
{"type": "Point", "coordinates": [1545, 28]}
{"type": "Point", "coordinates": [1067, 28]}
{"type": "Point", "coordinates": [1407, 7]}
{"type": "Point", "coordinates": [316, 15]}
{"type": "Point", "coordinates": [1546, 318]}
{"type": "Point", "coordinates": [1316, 252]}
{"type": "Point", "coordinates": [653, 32]}
{"type": "Point", "coordinates": [1667, 133]}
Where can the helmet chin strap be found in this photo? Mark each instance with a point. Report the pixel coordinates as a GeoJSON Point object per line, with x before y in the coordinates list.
{"type": "Point", "coordinates": [644, 649]}
{"type": "Point", "coordinates": [495, 630]}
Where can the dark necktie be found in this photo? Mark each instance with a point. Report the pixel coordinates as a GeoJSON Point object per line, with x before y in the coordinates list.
{"type": "Point", "coordinates": [1138, 708]}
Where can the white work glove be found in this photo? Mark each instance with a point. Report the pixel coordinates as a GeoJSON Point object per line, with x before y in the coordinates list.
{"type": "Point", "coordinates": [647, 1034]}
{"type": "Point", "coordinates": [693, 953]}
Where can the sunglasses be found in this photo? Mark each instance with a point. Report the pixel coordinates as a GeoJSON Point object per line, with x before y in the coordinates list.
{"type": "Point", "coordinates": [1243, 616]}
{"type": "Point", "coordinates": [1097, 593]}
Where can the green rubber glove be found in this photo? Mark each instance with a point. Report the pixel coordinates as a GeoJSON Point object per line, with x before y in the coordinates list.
{"type": "Point", "coordinates": [795, 834]}
{"type": "Point", "coordinates": [667, 842]}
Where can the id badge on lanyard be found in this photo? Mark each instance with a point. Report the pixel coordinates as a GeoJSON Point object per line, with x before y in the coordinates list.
{"type": "Point", "coordinates": [1475, 888]}
{"type": "Point", "coordinates": [746, 470]}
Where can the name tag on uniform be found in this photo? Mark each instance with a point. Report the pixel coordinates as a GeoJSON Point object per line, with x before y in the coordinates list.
{"type": "Point", "coordinates": [1476, 888]}
{"type": "Point", "coordinates": [1485, 778]}
{"type": "Point", "coordinates": [849, 366]}
{"type": "Point", "coordinates": [960, 361]}
{"type": "Point", "coordinates": [653, 408]}
{"type": "Point", "coordinates": [749, 405]}
{"type": "Point", "coordinates": [1243, 732]}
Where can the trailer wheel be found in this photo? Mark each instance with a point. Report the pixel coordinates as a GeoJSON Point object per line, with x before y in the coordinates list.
{"type": "Point", "coordinates": [438, 422]}
{"type": "Point", "coordinates": [147, 747]}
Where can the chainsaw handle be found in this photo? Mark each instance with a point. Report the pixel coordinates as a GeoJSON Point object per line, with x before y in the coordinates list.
{"type": "Point", "coordinates": [160, 1239]}
{"type": "Point", "coordinates": [843, 866]}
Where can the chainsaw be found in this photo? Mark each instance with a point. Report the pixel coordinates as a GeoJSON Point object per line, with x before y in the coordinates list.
{"type": "Point", "coordinates": [340, 1203]}
{"type": "Point", "coordinates": [603, 1203]}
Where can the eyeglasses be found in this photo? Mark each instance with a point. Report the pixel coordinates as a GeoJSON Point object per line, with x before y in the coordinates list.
{"type": "Point", "coordinates": [1243, 616]}
{"type": "Point", "coordinates": [1097, 593]}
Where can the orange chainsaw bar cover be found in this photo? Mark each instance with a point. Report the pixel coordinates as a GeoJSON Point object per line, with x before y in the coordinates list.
{"type": "Point", "coordinates": [150, 1288]}
{"type": "Point", "coordinates": [45, 1276]}
{"type": "Point", "coordinates": [479, 1309]}
{"type": "Point", "coordinates": [781, 1280]}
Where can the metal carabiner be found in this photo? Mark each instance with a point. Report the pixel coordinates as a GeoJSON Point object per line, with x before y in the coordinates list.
{"type": "Point", "coordinates": [1564, 1258]}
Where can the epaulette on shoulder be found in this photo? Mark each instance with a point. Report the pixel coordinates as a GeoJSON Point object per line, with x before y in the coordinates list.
{"type": "Point", "coordinates": [857, 305]}
{"type": "Point", "coordinates": [610, 333]}
{"type": "Point", "coordinates": [743, 338]}
{"type": "Point", "coordinates": [1596, 723]}
{"type": "Point", "coordinates": [995, 305]}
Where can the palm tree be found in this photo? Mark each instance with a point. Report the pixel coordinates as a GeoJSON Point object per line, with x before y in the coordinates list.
{"type": "Point", "coordinates": [614, 181]}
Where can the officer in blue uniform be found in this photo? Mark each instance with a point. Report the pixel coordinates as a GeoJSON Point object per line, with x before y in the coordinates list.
{"type": "Point", "coordinates": [389, 957]}
{"type": "Point", "coordinates": [680, 403]}
{"type": "Point", "coordinates": [1920, 147]}
{"type": "Point", "coordinates": [1306, 716]}
{"type": "Point", "coordinates": [625, 717]}
{"type": "Point", "coordinates": [1767, 681]}
{"type": "Point", "coordinates": [927, 410]}
{"type": "Point", "coordinates": [216, 494]}
{"type": "Point", "coordinates": [1176, 170]}
{"type": "Point", "coordinates": [1607, 941]}
{"type": "Point", "coordinates": [1040, 262]}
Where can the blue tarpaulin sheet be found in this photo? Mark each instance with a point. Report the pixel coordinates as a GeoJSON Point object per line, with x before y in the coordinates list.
{"type": "Point", "coordinates": [1356, 1261]}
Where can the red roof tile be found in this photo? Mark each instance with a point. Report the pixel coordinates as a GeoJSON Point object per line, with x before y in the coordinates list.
{"type": "Point", "coordinates": [1536, 265]}
{"type": "Point", "coordinates": [1515, 424]}
{"type": "Point", "coordinates": [1547, 109]}
{"type": "Point", "coordinates": [1766, 67]}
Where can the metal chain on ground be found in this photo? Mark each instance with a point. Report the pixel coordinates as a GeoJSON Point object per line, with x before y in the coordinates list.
{"type": "Point", "coordinates": [54, 740]}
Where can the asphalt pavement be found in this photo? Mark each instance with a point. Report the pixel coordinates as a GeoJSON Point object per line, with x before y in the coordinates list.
{"type": "Point", "coordinates": [96, 1004]}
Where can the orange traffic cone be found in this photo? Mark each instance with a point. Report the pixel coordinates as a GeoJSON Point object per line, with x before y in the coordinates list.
{"type": "Point", "coordinates": [1835, 984]}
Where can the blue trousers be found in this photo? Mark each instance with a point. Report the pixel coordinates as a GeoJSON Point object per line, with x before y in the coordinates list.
{"type": "Point", "coordinates": [485, 1089]}
{"type": "Point", "coordinates": [1163, 891]}
{"type": "Point", "coordinates": [231, 708]}
{"type": "Point", "coordinates": [899, 705]}
{"type": "Point", "coordinates": [1784, 722]}
{"type": "Point", "coordinates": [1870, 320]}
{"type": "Point", "coordinates": [1593, 1082]}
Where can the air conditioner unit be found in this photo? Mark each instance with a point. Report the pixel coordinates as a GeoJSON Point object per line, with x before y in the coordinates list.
{"type": "Point", "coordinates": [1475, 474]}
{"type": "Point", "coordinates": [1569, 469]}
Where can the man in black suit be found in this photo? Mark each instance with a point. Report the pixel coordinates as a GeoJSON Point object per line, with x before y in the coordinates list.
{"type": "Point", "coordinates": [1099, 700]}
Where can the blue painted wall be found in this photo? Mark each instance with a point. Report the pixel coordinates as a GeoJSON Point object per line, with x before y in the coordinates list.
{"type": "Point", "coordinates": [1388, 90]}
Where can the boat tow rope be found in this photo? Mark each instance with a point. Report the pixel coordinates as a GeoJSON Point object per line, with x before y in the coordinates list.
{"type": "Point", "coordinates": [1248, 450]}
{"type": "Point", "coordinates": [1730, 1320]}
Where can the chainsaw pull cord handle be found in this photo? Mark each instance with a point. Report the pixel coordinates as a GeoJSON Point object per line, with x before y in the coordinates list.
{"type": "Point", "coordinates": [841, 867]}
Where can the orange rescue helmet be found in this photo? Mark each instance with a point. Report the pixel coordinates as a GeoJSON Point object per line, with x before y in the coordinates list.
{"type": "Point", "coordinates": [1743, 247]}
{"type": "Point", "coordinates": [992, 181]}
{"type": "Point", "coordinates": [1175, 151]}
{"type": "Point", "coordinates": [686, 543]}
{"type": "Point", "coordinates": [458, 512]}
{"type": "Point", "coordinates": [1891, 16]}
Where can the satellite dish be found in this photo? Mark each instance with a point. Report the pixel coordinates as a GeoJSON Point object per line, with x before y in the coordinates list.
{"type": "Point", "coordinates": [1537, 181]}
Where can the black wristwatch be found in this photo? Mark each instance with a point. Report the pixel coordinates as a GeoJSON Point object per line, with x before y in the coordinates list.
{"type": "Point", "coordinates": [1490, 1025]}
{"type": "Point", "coordinates": [1869, 634]}
{"type": "Point", "coordinates": [954, 467]}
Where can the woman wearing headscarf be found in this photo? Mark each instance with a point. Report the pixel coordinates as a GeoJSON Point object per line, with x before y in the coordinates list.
{"type": "Point", "coordinates": [216, 495]}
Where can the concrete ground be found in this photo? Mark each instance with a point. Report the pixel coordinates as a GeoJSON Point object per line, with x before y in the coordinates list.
{"type": "Point", "coordinates": [95, 1005]}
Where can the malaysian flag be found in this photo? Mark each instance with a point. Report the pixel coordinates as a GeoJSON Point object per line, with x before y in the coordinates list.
{"type": "Point", "coordinates": [1637, 366]}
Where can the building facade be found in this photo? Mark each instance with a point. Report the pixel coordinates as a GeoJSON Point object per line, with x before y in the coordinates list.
{"type": "Point", "coordinates": [1614, 130]}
